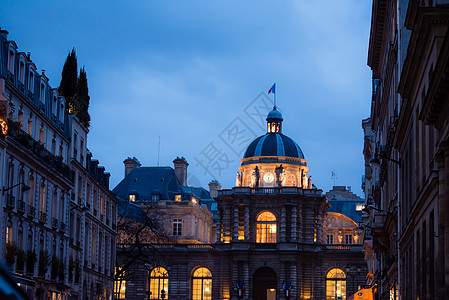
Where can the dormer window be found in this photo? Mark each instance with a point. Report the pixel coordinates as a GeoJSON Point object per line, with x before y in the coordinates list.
{"type": "Point", "coordinates": [31, 82]}
{"type": "Point", "coordinates": [42, 94]}
{"type": "Point", "coordinates": [22, 72]}
{"type": "Point", "coordinates": [155, 197]}
{"type": "Point", "coordinates": [194, 200]}
{"type": "Point", "coordinates": [132, 197]}
{"type": "Point", "coordinates": [178, 198]}
{"type": "Point", "coordinates": [11, 61]}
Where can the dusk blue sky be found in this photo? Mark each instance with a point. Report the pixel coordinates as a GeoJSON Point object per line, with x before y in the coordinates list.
{"type": "Point", "coordinates": [187, 70]}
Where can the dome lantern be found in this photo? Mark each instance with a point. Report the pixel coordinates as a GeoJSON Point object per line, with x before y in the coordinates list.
{"type": "Point", "coordinates": [274, 121]}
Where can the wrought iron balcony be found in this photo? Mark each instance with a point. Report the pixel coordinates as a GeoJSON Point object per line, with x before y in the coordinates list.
{"type": "Point", "coordinates": [21, 206]}
{"type": "Point", "coordinates": [42, 217]}
{"type": "Point", "coordinates": [25, 140]}
{"type": "Point", "coordinates": [31, 211]}
{"type": "Point", "coordinates": [10, 77]}
{"type": "Point", "coordinates": [54, 223]}
{"type": "Point", "coordinates": [10, 201]}
{"type": "Point", "coordinates": [30, 95]}
{"type": "Point", "coordinates": [63, 227]}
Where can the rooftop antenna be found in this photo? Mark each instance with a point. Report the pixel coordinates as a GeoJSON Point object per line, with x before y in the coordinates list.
{"type": "Point", "coordinates": [334, 176]}
{"type": "Point", "coordinates": [158, 150]}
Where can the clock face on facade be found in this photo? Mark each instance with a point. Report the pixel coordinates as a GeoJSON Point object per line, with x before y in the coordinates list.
{"type": "Point", "coordinates": [268, 177]}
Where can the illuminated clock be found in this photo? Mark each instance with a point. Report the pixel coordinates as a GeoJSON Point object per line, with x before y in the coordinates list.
{"type": "Point", "coordinates": [268, 177]}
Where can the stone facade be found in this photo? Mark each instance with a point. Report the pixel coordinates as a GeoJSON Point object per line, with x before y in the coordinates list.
{"type": "Point", "coordinates": [407, 214]}
{"type": "Point", "coordinates": [271, 240]}
{"type": "Point", "coordinates": [46, 216]}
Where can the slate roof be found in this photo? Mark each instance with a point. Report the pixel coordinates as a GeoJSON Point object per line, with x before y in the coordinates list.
{"type": "Point", "coordinates": [130, 211]}
{"type": "Point", "coordinates": [146, 181]}
{"type": "Point", "coordinates": [344, 201]}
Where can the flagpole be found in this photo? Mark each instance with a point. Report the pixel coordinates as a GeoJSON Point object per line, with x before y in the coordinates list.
{"type": "Point", "coordinates": [274, 96]}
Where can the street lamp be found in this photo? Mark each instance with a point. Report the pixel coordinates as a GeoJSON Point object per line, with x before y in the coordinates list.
{"type": "Point", "coordinates": [24, 188]}
{"type": "Point", "coordinates": [358, 269]}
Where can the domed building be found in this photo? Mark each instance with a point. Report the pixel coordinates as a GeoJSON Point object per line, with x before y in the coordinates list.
{"type": "Point", "coordinates": [272, 238]}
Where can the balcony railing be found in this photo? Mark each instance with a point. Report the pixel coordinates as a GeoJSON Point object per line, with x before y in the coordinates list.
{"type": "Point", "coordinates": [54, 223]}
{"type": "Point", "coordinates": [25, 140]}
{"type": "Point", "coordinates": [21, 206]}
{"type": "Point", "coordinates": [290, 190]}
{"type": "Point", "coordinates": [31, 211]}
{"type": "Point", "coordinates": [10, 201]}
{"type": "Point", "coordinates": [63, 227]}
{"type": "Point", "coordinates": [10, 76]}
{"type": "Point", "coordinates": [42, 217]}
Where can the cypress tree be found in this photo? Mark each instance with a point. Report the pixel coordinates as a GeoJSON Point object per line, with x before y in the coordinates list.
{"type": "Point", "coordinates": [82, 99]}
{"type": "Point", "coordinates": [68, 85]}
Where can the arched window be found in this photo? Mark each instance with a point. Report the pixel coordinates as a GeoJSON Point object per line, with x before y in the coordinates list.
{"type": "Point", "coordinates": [202, 284]}
{"type": "Point", "coordinates": [335, 284]}
{"type": "Point", "coordinates": [266, 228]}
{"type": "Point", "coordinates": [158, 282]}
{"type": "Point", "coordinates": [291, 180]}
{"type": "Point", "coordinates": [250, 180]}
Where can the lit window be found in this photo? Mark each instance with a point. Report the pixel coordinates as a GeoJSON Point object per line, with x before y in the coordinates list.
{"type": "Point", "coordinates": [132, 198]}
{"type": "Point", "coordinates": [178, 198]}
{"type": "Point", "coordinates": [159, 283]}
{"type": "Point", "coordinates": [30, 127]}
{"type": "Point", "coordinates": [9, 234]}
{"type": "Point", "coordinates": [120, 285]}
{"type": "Point", "coordinates": [335, 284]}
{"type": "Point", "coordinates": [202, 284]}
{"type": "Point", "coordinates": [194, 200]}
{"type": "Point", "coordinates": [41, 135]}
{"type": "Point", "coordinates": [266, 228]}
{"type": "Point", "coordinates": [359, 207]}
{"type": "Point", "coordinates": [291, 180]}
{"type": "Point", "coordinates": [177, 227]}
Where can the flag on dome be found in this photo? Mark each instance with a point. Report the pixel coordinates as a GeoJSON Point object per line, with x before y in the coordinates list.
{"type": "Point", "coordinates": [273, 89]}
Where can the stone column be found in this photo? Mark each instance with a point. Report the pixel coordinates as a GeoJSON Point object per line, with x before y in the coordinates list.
{"type": "Point", "coordinates": [226, 223]}
{"type": "Point", "coordinates": [246, 279]}
{"type": "Point", "coordinates": [219, 225]}
{"type": "Point", "coordinates": [282, 278]}
{"type": "Point", "coordinates": [293, 279]}
{"type": "Point", "coordinates": [300, 222]}
{"type": "Point", "coordinates": [293, 237]}
{"type": "Point", "coordinates": [247, 232]}
{"type": "Point", "coordinates": [319, 226]}
{"type": "Point", "coordinates": [283, 224]}
{"type": "Point", "coordinates": [234, 279]}
{"type": "Point", "coordinates": [235, 234]}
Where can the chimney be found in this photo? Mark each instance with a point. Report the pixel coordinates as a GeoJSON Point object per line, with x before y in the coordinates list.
{"type": "Point", "coordinates": [4, 34]}
{"type": "Point", "coordinates": [181, 169]}
{"type": "Point", "coordinates": [214, 186]}
{"type": "Point", "coordinates": [130, 164]}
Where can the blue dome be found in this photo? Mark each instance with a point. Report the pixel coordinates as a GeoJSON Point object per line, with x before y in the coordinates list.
{"type": "Point", "coordinates": [274, 115]}
{"type": "Point", "coordinates": [274, 144]}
